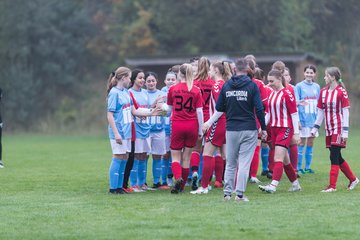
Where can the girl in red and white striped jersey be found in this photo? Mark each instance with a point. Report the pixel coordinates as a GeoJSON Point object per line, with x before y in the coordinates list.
{"type": "Point", "coordinates": [284, 120]}
{"type": "Point", "coordinates": [333, 106]}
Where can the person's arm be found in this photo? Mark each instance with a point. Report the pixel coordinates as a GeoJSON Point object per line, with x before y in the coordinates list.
{"type": "Point", "coordinates": [221, 103]}
{"type": "Point", "coordinates": [259, 108]}
{"type": "Point", "coordinates": [111, 120]}
{"type": "Point", "coordinates": [145, 112]}
{"type": "Point", "coordinates": [200, 117]}
{"type": "Point", "coordinates": [318, 121]}
{"type": "Point", "coordinates": [345, 130]}
{"type": "Point", "coordinates": [295, 122]}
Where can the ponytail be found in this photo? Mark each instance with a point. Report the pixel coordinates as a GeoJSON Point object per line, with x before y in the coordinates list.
{"type": "Point", "coordinates": [117, 76]}
{"type": "Point", "coordinates": [203, 69]}
{"type": "Point", "coordinates": [187, 73]}
{"type": "Point", "coordinates": [335, 72]}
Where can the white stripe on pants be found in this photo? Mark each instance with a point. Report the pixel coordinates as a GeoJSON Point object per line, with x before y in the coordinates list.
{"type": "Point", "coordinates": [240, 147]}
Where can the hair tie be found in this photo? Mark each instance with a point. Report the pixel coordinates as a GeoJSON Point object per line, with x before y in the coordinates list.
{"type": "Point", "coordinates": [112, 73]}
{"type": "Point", "coordinates": [340, 80]}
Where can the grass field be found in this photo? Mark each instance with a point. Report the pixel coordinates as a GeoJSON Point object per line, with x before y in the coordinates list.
{"type": "Point", "coordinates": [55, 187]}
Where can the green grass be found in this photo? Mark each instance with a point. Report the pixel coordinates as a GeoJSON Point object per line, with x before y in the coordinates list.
{"type": "Point", "coordinates": [55, 187]}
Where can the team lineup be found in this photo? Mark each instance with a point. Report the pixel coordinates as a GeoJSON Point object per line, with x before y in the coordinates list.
{"type": "Point", "coordinates": [217, 118]}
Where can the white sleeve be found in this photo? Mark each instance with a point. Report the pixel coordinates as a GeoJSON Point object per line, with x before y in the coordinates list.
{"type": "Point", "coordinates": [319, 118]}
{"type": "Point", "coordinates": [141, 112]}
{"type": "Point", "coordinates": [345, 130]}
{"type": "Point", "coordinates": [200, 117]}
{"type": "Point", "coordinates": [295, 122]}
{"type": "Point", "coordinates": [267, 118]}
{"type": "Point", "coordinates": [214, 117]}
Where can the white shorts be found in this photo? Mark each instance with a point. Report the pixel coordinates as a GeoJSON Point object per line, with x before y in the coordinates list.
{"type": "Point", "coordinates": [157, 143]}
{"type": "Point", "coordinates": [142, 145]}
{"type": "Point", "coordinates": [305, 132]}
{"type": "Point", "coordinates": [167, 143]}
{"type": "Point", "coordinates": [123, 148]}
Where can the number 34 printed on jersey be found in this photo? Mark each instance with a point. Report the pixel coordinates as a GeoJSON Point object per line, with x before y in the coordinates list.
{"type": "Point", "coordinates": [180, 104]}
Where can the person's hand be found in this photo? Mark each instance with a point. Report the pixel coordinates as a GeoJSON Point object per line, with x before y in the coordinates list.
{"type": "Point", "coordinates": [118, 139]}
{"type": "Point", "coordinates": [344, 136]}
{"type": "Point", "coordinates": [205, 127]}
{"type": "Point", "coordinates": [296, 138]}
{"type": "Point", "coordinates": [263, 135]}
{"type": "Point", "coordinates": [159, 101]}
{"type": "Point", "coordinates": [157, 111]}
{"type": "Point", "coordinates": [303, 102]}
{"type": "Point", "coordinates": [314, 132]}
{"type": "Point", "coordinates": [300, 127]}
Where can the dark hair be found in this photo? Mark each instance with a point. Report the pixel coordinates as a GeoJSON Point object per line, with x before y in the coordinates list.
{"type": "Point", "coordinates": [259, 73]}
{"type": "Point", "coordinates": [277, 74]}
{"type": "Point", "coordinates": [151, 74]}
{"type": "Point", "coordinates": [194, 59]}
{"type": "Point", "coordinates": [224, 68]}
{"type": "Point", "coordinates": [175, 69]}
{"type": "Point", "coordinates": [134, 74]}
{"type": "Point", "coordinates": [279, 65]}
{"type": "Point", "coordinates": [310, 66]}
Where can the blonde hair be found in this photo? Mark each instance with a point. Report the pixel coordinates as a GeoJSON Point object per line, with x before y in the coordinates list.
{"type": "Point", "coordinates": [116, 76]}
{"type": "Point", "coordinates": [335, 72]}
{"type": "Point", "coordinates": [186, 71]}
{"type": "Point", "coordinates": [203, 69]}
{"type": "Point", "coordinates": [224, 68]}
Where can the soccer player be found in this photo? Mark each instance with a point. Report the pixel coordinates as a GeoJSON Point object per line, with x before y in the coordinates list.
{"type": "Point", "coordinates": [185, 101]}
{"type": "Point", "coordinates": [307, 94]}
{"type": "Point", "coordinates": [215, 138]}
{"type": "Point", "coordinates": [238, 98]}
{"type": "Point", "coordinates": [205, 83]}
{"type": "Point", "coordinates": [284, 121]}
{"type": "Point", "coordinates": [119, 116]}
{"type": "Point", "coordinates": [333, 106]}
{"type": "Point", "coordinates": [142, 142]}
{"type": "Point", "coordinates": [157, 132]}
{"type": "Point", "coordinates": [166, 173]}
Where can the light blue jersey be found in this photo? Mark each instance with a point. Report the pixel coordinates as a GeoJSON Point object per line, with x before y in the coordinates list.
{"type": "Point", "coordinates": [167, 126]}
{"type": "Point", "coordinates": [142, 126]}
{"type": "Point", "coordinates": [310, 93]}
{"type": "Point", "coordinates": [156, 122]}
{"type": "Point", "coordinates": [119, 103]}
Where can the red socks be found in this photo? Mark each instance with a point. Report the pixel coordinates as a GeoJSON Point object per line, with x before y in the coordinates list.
{"type": "Point", "coordinates": [185, 174]}
{"type": "Point", "coordinates": [207, 170]}
{"type": "Point", "coordinates": [219, 168]}
{"type": "Point", "coordinates": [277, 171]}
{"type": "Point", "coordinates": [345, 168]}
{"type": "Point", "coordinates": [255, 162]}
{"type": "Point", "coordinates": [290, 172]}
{"type": "Point", "coordinates": [334, 173]}
{"type": "Point", "coordinates": [294, 155]}
{"type": "Point", "coordinates": [176, 169]}
{"type": "Point", "coordinates": [195, 161]}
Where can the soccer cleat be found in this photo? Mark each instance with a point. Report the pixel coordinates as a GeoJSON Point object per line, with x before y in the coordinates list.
{"type": "Point", "coordinates": [328, 189]}
{"type": "Point", "coordinates": [295, 188]}
{"type": "Point", "coordinates": [301, 171]}
{"type": "Point", "coordinates": [147, 188]}
{"type": "Point", "coordinates": [1, 164]}
{"type": "Point", "coordinates": [264, 172]}
{"type": "Point", "coordinates": [156, 185]}
{"type": "Point", "coordinates": [268, 188]}
{"type": "Point", "coordinates": [353, 184]}
{"type": "Point", "coordinates": [227, 198]}
{"type": "Point", "coordinates": [170, 182]}
{"type": "Point", "coordinates": [241, 198]}
{"type": "Point", "coordinates": [164, 186]}
{"type": "Point", "coordinates": [200, 190]}
{"type": "Point", "coordinates": [218, 184]}
{"type": "Point", "coordinates": [308, 170]}
{"type": "Point", "coordinates": [115, 192]}
{"type": "Point", "coordinates": [128, 190]}
{"type": "Point", "coordinates": [269, 175]}
{"type": "Point", "coordinates": [136, 189]}
{"type": "Point", "coordinates": [194, 181]}
{"type": "Point", "coordinates": [177, 186]}
{"type": "Point", "coordinates": [254, 180]}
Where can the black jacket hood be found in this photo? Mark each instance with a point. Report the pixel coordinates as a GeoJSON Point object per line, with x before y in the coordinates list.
{"type": "Point", "coordinates": [239, 81]}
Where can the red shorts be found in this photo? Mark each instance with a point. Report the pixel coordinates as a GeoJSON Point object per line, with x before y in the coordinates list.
{"type": "Point", "coordinates": [216, 133]}
{"type": "Point", "coordinates": [281, 136]}
{"type": "Point", "coordinates": [335, 140]}
{"type": "Point", "coordinates": [184, 134]}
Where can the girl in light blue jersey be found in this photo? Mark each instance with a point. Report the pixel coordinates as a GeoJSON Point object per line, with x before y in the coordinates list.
{"type": "Point", "coordinates": [142, 142]}
{"type": "Point", "coordinates": [307, 94]}
{"type": "Point", "coordinates": [119, 116]}
{"type": "Point", "coordinates": [157, 132]}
